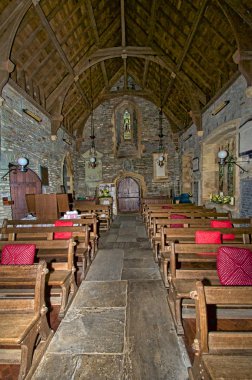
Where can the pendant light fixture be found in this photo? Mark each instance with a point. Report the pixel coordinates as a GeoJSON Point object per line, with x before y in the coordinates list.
{"type": "Point", "coordinates": [92, 152]}
{"type": "Point", "coordinates": [161, 157]}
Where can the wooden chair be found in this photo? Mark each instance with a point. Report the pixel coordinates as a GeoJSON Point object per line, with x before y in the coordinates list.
{"type": "Point", "coordinates": [23, 321]}
{"type": "Point", "coordinates": [221, 354]}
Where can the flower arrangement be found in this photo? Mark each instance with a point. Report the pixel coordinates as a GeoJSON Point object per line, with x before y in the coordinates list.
{"type": "Point", "coordinates": [104, 193]}
{"type": "Point", "coordinates": [221, 199]}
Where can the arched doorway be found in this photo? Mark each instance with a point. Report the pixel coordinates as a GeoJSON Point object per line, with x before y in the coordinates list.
{"type": "Point", "coordinates": [128, 195]}
{"type": "Point", "coordinates": [22, 183]}
{"type": "Point", "coordinates": [67, 174]}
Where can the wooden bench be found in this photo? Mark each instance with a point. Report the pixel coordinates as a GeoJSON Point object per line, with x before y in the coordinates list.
{"type": "Point", "coordinates": [159, 222]}
{"type": "Point", "coordinates": [102, 212]}
{"type": "Point", "coordinates": [190, 214]}
{"type": "Point", "coordinates": [86, 244]}
{"type": "Point", "coordinates": [187, 235]}
{"type": "Point", "coordinates": [219, 354]}
{"type": "Point", "coordinates": [174, 209]}
{"type": "Point", "coordinates": [59, 257]}
{"type": "Point", "coordinates": [23, 321]}
{"type": "Point", "coordinates": [89, 220]}
{"type": "Point", "coordinates": [182, 277]}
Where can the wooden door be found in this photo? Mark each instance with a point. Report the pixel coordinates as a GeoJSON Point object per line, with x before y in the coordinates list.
{"type": "Point", "coordinates": [22, 183]}
{"type": "Point", "coordinates": [128, 195]}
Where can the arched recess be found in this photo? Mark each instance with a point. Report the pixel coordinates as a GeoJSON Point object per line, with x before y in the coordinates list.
{"type": "Point", "coordinates": [22, 183]}
{"type": "Point", "coordinates": [127, 122]}
{"type": "Point", "coordinates": [224, 137]}
{"type": "Point", "coordinates": [67, 174]}
{"type": "Point", "coordinates": [136, 177]}
{"type": "Point", "coordinates": [187, 177]}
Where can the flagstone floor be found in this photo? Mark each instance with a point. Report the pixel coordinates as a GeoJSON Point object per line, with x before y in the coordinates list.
{"type": "Point", "coordinates": [119, 325]}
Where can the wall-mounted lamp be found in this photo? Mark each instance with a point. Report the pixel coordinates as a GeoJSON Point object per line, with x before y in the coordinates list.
{"type": "Point", "coordinates": [33, 115]}
{"type": "Point", "coordinates": [22, 166]}
{"type": "Point", "coordinates": [92, 162]}
{"type": "Point", "coordinates": [220, 107]}
{"type": "Point", "coordinates": [161, 160]}
{"type": "Point", "coordinates": [225, 158]}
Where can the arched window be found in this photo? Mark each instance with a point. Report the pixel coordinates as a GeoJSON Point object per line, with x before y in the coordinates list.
{"type": "Point", "coordinates": [126, 125]}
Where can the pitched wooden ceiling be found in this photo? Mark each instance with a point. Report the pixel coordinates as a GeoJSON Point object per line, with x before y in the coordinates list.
{"type": "Point", "coordinates": [177, 52]}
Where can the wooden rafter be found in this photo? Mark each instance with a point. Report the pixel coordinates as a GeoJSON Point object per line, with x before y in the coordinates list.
{"type": "Point", "coordinates": [187, 46]}
{"type": "Point", "coordinates": [240, 10]}
{"type": "Point", "coordinates": [152, 23]}
{"type": "Point", "coordinates": [59, 48]}
{"type": "Point", "coordinates": [97, 38]}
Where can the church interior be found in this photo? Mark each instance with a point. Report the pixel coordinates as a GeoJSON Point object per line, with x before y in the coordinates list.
{"type": "Point", "coordinates": [120, 116]}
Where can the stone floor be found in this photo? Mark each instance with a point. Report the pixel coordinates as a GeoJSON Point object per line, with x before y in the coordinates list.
{"type": "Point", "coordinates": [119, 326]}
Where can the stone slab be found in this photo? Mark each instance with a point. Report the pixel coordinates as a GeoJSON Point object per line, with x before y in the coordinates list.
{"type": "Point", "coordinates": [126, 238]}
{"type": "Point", "coordinates": [78, 367]}
{"type": "Point", "coordinates": [140, 274]}
{"type": "Point", "coordinates": [112, 237]}
{"type": "Point", "coordinates": [139, 263]}
{"type": "Point", "coordinates": [90, 331]}
{"type": "Point", "coordinates": [153, 347]}
{"type": "Point", "coordinates": [107, 265]}
{"type": "Point", "coordinates": [101, 294]}
{"type": "Point", "coordinates": [136, 253]}
{"type": "Point", "coordinates": [141, 232]}
{"type": "Point", "coordinates": [127, 231]}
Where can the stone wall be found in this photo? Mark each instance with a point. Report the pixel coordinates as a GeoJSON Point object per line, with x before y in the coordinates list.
{"type": "Point", "coordinates": [216, 132]}
{"type": "Point", "coordinates": [112, 166]}
{"type": "Point", "coordinates": [21, 136]}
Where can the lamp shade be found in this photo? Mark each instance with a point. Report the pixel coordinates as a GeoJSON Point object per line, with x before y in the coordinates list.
{"type": "Point", "coordinates": [222, 154]}
{"type": "Point", "coordinates": [22, 161]}
{"type": "Point", "coordinates": [92, 159]}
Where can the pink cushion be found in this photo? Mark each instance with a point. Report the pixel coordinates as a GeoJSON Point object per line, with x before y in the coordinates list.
{"type": "Point", "coordinates": [63, 235]}
{"type": "Point", "coordinates": [18, 254]}
{"type": "Point", "coordinates": [234, 266]}
{"type": "Point", "coordinates": [178, 216]}
{"type": "Point", "coordinates": [207, 237]}
{"type": "Point", "coordinates": [223, 224]}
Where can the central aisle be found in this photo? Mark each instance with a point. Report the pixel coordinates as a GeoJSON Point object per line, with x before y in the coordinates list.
{"type": "Point", "coordinates": [119, 325]}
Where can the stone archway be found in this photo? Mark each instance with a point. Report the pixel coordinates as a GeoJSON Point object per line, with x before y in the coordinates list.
{"type": "Point", "coordinates": [187, 178]}
{"type": "Point", "coordinates": [138, 180]}
{"type": "Point", "coordinates": [67, 174]}
{"type": "Point", "coordinates": [224, 137]}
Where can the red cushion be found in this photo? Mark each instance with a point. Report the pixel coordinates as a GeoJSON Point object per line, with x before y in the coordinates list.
{"type": "Point", "coordinates": [166, 207]}
{"type": "Point", "coordinates": [63, 235]}
{"type": "Point", "coordinates": [207, 237]}
{"type": "Point", "coordinates": [178, 216]}
{"type": "Point", "coordinates": [223, 224]}
{"type": "Point", "coordinates": [18, 254]}
{"type": "Point", "coordinates": [234, 266]}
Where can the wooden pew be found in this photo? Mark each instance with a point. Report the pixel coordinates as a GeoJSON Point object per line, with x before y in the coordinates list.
{"type": "Point", "coordinates": [158, 222]}
{"type": "Point", "coordinates": [182, 277]}
{"type": "Point", "coordinates": [221, 354]}
{"type": "Point", "coordinates": [102, 212]}
{"type": "Point", "coordinates": [202, 214]}
{"type": "Point", "coordinates": [173, 208]}
{"type": "Point", "coordinates": [84, 233]}
{"type": "Point", "coordinates": [187, 235]}
{"type": "Point", "coordinates": [89, 220]}
{"type": "Point", "coordinates": [59, 257]}
{"type": "Point", "coordinates": [24, 329]}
